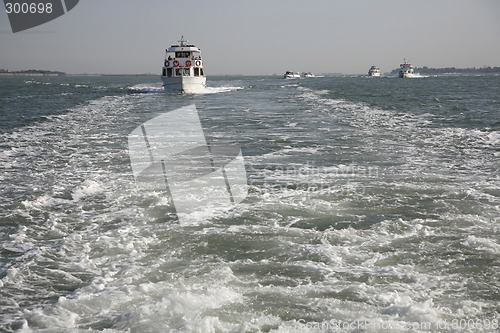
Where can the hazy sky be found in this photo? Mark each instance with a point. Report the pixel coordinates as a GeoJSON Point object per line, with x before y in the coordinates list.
{"type": "Point", "coordinates": [260, 36]}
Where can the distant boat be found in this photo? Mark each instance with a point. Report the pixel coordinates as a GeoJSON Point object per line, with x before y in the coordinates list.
{"type": "Point", "coordinates": [310, 75]}
{"type": "Point", "coordinates": [406, 70]}
{"type": "Point", "coordinates": [183, 69]}
{"type": "Point", "coordinates": [374, 71]}
{"type": "Point", "coordinates": [291, 75]}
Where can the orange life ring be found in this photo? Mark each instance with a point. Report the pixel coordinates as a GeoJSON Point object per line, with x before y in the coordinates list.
{"type": "Point", "coordinates": [166, 63]}
{"type": "Point", "coordinates": [198, 63]}
{"type": "Point", "coordinates": [188, 63]}
{"type": "Point", "coordinates": [176, 63]}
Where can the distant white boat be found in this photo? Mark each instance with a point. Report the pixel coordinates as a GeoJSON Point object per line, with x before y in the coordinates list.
{"type": "Point", "coordinates": [311, 74]}
{"type": "Point", "coordinates": [183, 69]}
{"type": "Point", "coordinates": [406, 70]}
{"type": "Point", "coordinates": [374, 71]}
{"type": "Point", "coordinates": [291, 75]}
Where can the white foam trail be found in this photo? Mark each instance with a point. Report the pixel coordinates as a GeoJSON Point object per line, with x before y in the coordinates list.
{"type": "Point", "coordinates": [254, 269]}
{"type": "Point", "coordinates": [88, 188]}
{"type": "Point", "coordinates": [418, 76]}
{"type": "Point", "coordinates": [216, 90]}
{"type": "Point", "coordinates": [146, 89]}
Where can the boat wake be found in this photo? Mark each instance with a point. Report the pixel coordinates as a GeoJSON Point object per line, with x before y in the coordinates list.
{"type": "Point", "coordinates": [413, 76]}
{"type": "Point", "coordinates": [148, 89]}
{"type": "Point", "coordinates": [417, 76]}
{"type": "Point", "coordinates": [145, 89]}
{"type": "Point", "coordinates": [216, 90]}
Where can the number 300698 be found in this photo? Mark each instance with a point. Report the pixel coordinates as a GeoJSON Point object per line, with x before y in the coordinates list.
{"type": "Point", "coordinates": [28, 8]}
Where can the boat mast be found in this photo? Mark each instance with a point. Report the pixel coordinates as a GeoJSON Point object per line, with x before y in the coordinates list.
{"type": "Point", "coordinates": [182, 41]}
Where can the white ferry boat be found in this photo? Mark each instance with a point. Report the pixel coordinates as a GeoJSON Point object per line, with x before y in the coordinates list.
{"type": "Point", "coordinates": [183, 69]}
{"type": "Point", "coordinates": [311, 75]}
{"type": "Point", "coordinates": [406, 70]}
{"type": "Point", "coordinates": [291, 75]}
{"type": "Point", "coordinates": [374, 71]}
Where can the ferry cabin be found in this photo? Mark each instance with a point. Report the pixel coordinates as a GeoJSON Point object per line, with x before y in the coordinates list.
{"type": "Point", "coordinates": [183, 63]}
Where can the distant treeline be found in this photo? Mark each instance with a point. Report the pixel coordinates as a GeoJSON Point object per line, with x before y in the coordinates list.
{"type": "Point", "coordinates": [449, 70]}
{"type": "Point", "coordinates": [31, 72]}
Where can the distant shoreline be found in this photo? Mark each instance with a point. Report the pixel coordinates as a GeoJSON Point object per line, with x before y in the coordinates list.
{"type": "Point", "coordinates": [421, 70]}
{"type": "Point", "coordinates": [31, 72]}
{"type": "Point", "coordinates": [28, 74]}
{"type": "Point", "coordinates": [34, 72]}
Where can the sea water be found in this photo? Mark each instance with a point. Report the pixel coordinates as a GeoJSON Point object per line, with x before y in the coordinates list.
{"type": "Point", "coordinates": [373, 205]}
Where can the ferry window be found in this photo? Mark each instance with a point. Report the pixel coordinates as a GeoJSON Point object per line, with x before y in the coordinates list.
{"type": "Point", "coordinates": [164, 72]}
{"type": "Point", "coordinates": [196, 55]}
{"type": "Point", "coordinates": [169, 72]}
{"type": "Point", "coordinates": [182, 54]}
{"type": "Point", "coordinates": [196, 71]}
{"type": "Point", "coordinates": [177, 72]}
{"type": "Point", "coordinates": [201, 72]}
{"type": "Point", "coordinates": [186, 72]}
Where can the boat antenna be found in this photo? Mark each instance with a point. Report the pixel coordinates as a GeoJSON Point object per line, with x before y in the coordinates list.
{"type": "Point", "coordinates": [182, 41]}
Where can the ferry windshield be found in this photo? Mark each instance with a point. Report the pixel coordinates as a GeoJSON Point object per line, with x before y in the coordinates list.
{"type": "Point", "coordinates": [196, 55]}
{"type": "Point", "coordinates": [183, 54]}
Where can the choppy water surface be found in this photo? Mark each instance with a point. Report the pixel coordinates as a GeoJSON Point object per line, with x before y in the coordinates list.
{"type": "Point", "coordinates": [373, 205]}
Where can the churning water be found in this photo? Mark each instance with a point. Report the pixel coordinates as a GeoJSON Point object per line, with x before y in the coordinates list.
{"type": "Point", "coordinates": [373, 205]}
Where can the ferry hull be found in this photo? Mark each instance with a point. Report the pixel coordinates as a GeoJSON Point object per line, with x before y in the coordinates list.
{"type": "Point", "coordinates": [184, 84]}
